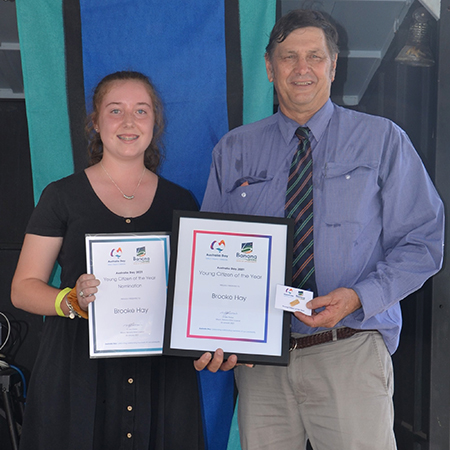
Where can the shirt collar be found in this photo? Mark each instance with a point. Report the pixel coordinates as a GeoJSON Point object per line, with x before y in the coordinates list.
{"type": "Point", "coordinates": [317, 124]}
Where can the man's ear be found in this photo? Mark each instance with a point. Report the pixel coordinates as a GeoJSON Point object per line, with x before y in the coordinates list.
{"type": "Point", "coordinates": [269, 67]}
{"type": "Point", "coordinates": [333, 68]}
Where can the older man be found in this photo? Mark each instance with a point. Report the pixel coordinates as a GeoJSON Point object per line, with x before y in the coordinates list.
{"type": "Point", "coordinates": [369, 232]}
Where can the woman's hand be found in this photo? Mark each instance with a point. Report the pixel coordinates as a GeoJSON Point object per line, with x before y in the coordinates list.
{"type": "Point", "coordinates": [86, 290]}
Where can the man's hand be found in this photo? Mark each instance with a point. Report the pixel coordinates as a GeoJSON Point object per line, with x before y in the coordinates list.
{"type": "Point", "coordinates": [213, 364]}
{"type": "Point", "coordinates": [338, 304]}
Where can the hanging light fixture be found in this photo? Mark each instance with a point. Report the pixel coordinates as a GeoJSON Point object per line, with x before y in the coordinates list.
{"type": "Point", "coordinates": [417, 51]}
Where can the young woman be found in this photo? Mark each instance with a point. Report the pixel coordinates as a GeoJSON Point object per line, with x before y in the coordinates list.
{"type": "Point", "coordinates": [75, 402]}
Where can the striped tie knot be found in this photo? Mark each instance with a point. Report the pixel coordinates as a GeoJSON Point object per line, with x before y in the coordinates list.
{"type": "Point", "coordinates": [302, 133]}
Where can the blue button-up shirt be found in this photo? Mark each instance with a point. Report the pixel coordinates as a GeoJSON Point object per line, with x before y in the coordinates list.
{"type": "Point", "coordinates": [378, 220]}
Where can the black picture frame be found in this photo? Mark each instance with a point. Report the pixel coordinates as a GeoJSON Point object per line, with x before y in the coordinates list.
{"type": "Point", "coordinates": [188, 228]}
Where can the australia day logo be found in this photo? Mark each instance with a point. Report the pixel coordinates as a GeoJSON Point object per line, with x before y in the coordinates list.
{"type": "Point", "coordinates": [218, 246]}
{"type": "Point", "coordinates": [116, 256]}
{"type": "Point", "coordinates": [246, 253]}
{"type": "Point", "coordinates": [289, 291]}
{"type": "Point", "coordinates": [141, 257]}
{"type": "Point", "coordinates": [116, 253]}
{"type": "Point", "coordinates": [217, 250]}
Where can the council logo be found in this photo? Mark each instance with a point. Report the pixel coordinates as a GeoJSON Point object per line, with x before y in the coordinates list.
{"type": "Point", "coordinates": [141, 257]}
{"type": "Point", "coordinates": [246, 254]}
{"type": "Point", "coordinates": [247, 247]}
{"type": "Point", "coordinates": [218, 246]}
{"type": "Point", "coordinates": [140, 252]}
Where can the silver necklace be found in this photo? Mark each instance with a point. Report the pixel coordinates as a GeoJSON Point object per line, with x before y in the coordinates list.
{"type": "Point", "coordinates": [128, 197]}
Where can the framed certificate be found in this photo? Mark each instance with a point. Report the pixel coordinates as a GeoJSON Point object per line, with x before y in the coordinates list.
{"type": "Point", "coordinates": [127, 316]}
{"type": "Point", "coordinates": [222, 284]}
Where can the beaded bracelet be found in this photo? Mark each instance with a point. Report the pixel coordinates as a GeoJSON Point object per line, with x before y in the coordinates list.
{"type": "Point", "coordinates": [58, 301]}
{"type": "Point", "coordinates": [72, 312]}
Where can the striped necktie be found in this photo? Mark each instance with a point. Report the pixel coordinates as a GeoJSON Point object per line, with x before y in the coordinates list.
{"type": "Point", "coordinates": [299, 205]}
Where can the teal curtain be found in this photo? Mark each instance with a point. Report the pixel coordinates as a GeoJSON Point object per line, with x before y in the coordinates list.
{"type": "Point", "coordinates": [257, 19]}
{"type": "Point", "coordinates": [41, 37]}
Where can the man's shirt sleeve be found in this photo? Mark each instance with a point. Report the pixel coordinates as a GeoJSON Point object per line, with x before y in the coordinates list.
{"type": "Point", "coordinates": [413, 228]}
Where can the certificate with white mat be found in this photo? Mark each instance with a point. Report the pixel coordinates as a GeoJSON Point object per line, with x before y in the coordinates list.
{"type": "Point", "coordinates": [127, 316]}
{"type": "Point", "coordinates": [222, 284]}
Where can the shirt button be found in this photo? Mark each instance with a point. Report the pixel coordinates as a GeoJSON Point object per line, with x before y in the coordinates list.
{"type": "Point", "coordinates": [347, 177]}
{"type": "Point", "coordinates": [130, 380]}
{"type": "Point", "coordinates": [128, 220]}
{"type": "Point", "coordinates": [129, 435]}
{"type": "Point", "coordinates": [130, 408]}
{"type": "Point", "coordinates": [244, 194]}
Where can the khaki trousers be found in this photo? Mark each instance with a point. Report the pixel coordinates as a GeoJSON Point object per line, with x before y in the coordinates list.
{"type": "Point", "coordinates": [338, 395]}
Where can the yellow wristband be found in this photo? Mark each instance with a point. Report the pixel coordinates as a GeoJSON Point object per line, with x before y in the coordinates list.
{"type": "Point", "coordinates": [58, 301]}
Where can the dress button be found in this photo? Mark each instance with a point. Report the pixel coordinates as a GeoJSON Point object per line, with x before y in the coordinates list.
{"type": "Point", "coordinates": [347, 177]}
{"type": "Point", "coordinates": [130, 408]}
{"type": "Point", "coordinates": [244, 194]}
{"type": "Point", "coordinates": [128, 220]}
{"type": "Point", "coordinates": [130, 380]}
{"type": "Point", "coordinates": [129, 435]}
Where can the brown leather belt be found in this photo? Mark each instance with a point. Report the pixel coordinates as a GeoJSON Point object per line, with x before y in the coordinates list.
{"type": "Point", "coordinates": [336, 334]}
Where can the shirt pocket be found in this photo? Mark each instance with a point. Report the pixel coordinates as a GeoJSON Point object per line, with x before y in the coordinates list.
{"type": "Point", "coordinates": [350, 191]}
{"type": "Point", "coordinates": [249, 195]}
